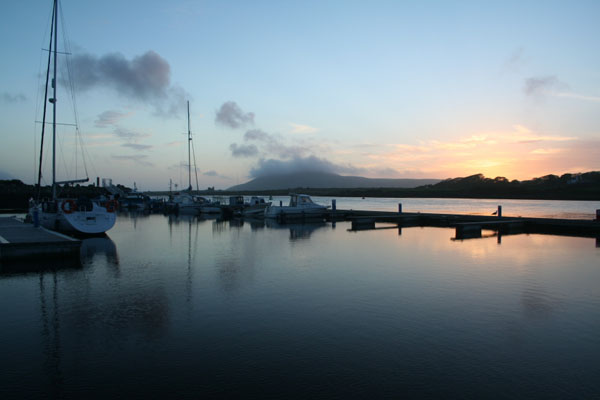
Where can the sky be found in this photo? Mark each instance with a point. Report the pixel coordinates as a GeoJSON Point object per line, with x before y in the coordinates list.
{"type": "Point", "coordinates": [382, 89]}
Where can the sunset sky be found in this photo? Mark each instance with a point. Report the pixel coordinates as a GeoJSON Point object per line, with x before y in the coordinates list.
{"type": "Point", "coordinates": [394, 89]}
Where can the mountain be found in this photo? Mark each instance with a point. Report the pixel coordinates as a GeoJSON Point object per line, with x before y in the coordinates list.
{"type": "Point", "coordinates": [326, 180]}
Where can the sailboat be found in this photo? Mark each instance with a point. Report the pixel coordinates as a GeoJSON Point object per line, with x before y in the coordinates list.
{"type": "Point", "coordinates": [61, 214]}
{"type": "Point", "coordinates": [185, 202]}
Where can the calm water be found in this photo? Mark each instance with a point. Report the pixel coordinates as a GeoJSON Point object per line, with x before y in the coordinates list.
{"type": "Point", "coordinates": [514, 208]}
{"type": "Point", "coordinates": [185, 307]}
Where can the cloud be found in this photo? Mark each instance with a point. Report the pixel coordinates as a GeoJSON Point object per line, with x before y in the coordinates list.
{"type": "Point", "coordinates": [243, 150]}
{"type": "Point", "coordinates": [546, 151]}
{"type": "Point", "coordinates": [257, 134]}
{"type": "Point", "coordinates": [110, 118]}
{"type": "Point", "coordinates": [542, 85]}
{"type": "Point", "coordinates": [139, 159]}
{"type": "Point", "coordinates": [297, 128]}
{"type": "Point", "coordinates": [12, 98]}
{"type": "Point", "coordinates": [215, 174]}
{"type": "Point", "coordinates": [273, 145]}
{"type": "Point", "coordinates": [232, 116]}
{"type": "Point", "coordinates": [129, 134]}
{"type": "Point", "coordinates": [137, 146]}
{"type": "Point", "coordinates": [578, 96]}
{"type": "Point", "coordinates": [299, 164]}
{"type": "Point", "coordinates": [146, 78]}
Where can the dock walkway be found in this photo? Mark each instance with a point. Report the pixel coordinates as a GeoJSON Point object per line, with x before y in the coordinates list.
{"type": "Point", "coordinates": [20, 240]}
{"type": "Point", "coordinates": [470, 223]}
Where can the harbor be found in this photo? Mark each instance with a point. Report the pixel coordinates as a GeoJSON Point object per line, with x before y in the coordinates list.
{"type": "Point", "coordinates": [312, 200]}
{"type": "Point", "coordinates": [23, 240]}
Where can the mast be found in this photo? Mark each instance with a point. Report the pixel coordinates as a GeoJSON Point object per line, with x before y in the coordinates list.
{"type": "Point", "coordinates": [53, 101]}
{"type": "Point", "coordinates": [39, 183]}
{"type": "Point", "coordinates": [189, 145]}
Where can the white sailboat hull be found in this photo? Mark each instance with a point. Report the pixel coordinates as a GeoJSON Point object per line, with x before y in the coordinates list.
{"type": "Point", "coordinates": [96, 221]}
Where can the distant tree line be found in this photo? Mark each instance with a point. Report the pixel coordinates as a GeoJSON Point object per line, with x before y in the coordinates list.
{"type": "Point", "coordinates": [14, 194]}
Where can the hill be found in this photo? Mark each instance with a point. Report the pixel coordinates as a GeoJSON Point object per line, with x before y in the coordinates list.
{"type": "Point", "coordinates": [326, 180]}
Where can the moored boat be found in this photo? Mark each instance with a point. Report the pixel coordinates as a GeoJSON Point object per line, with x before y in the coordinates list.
{"type": "Point", "coordinates": [300, 206]}
{"type": "Point", "coordinates": [68, 215]}
{"type": "Point", "coordinates": [255, 207]}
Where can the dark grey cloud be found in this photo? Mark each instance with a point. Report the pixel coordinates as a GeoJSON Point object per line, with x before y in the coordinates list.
{"type": "Point", "coordinates": [300, 164]}
{"type": "Point", "coordinates": [139, 159]}
{"type": "Point", "coordinates": [137, 146]}
{"type": "Point", "coordinates": [232, 116]}
{"type": "Point", "coordinates": [12, 98]}
{"type": "Point", "coordinates": [146, 78]}
{"type": "Point", "coordinates": [536, 86]}
{"type": "Point", "coordinates": [243, 150]}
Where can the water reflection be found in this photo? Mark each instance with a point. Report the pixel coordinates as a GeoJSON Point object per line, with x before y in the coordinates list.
{"type": "Point", "coordinates": [50, 333]}
{"type": "Point", "coordinates": [537, 302]}
{"type": "Point", "coordinates": [236, 305]}
{"type": "Point", "coordinates": [92, 247]}
{"type": "Point", "coordinates": [298, 231]}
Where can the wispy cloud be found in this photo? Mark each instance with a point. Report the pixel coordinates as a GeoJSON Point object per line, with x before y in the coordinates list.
{"type": "Point", "coordinates": [577, 96]}
{"type": "Point", "coordinates": [215, 174]}
{"type": "Point", "coordinates": [232, 116]}
{"type": "Point", "coordinates": [536, 86]}
{"type": "Point", "coordinates": [139, 159]}
{"type": "Point", "coordinates": [243, 150]}
{"type": "Point", "coordinates": [129, 134]}
{"type": "Point", "coordinates": [137, 146]}
{"type": "Point", "coordinates": [515, 60]}
{"type": "Point", "coordinates": [552, 86]}
{"type": "Point", "coordinates": [110, 118]}
{"type": "Point", "coordinates": [546, 151]}
{"type": "Point", "coordinates": [298, 128]}
{"type": "Point", "coordinates": [9, 98]}
{"type": "Point", "coordinates": [274, 145]}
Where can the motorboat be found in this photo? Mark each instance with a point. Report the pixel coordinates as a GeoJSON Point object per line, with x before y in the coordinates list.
{"type": "Point", "coordinates": [300, 206]}
{"type": "Point", "coordinates": [187, 203]}
{"type": "Point", "coordinates": [255, 207]}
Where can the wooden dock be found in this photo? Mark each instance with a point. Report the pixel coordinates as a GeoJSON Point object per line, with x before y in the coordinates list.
{"type": "Point", "coordinates": [470, 226]}
{"type": "Point", "coordinates": [19, 240]}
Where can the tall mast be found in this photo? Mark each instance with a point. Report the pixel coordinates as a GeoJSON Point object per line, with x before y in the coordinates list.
{"type": "Point", "coordinates": [39, 182]}
{"type": "Point", "coordinates": [189, 145]}
{"type": "Point", "coordinates": [53, 101]}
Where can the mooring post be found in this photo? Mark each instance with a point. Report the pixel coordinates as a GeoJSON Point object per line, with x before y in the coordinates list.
{"type": "Point", "coordinates": [36, 217]}
{"type": "Point", "coordinates": [399, 208]}
{"type": "Point", "coordinates": [280, 203]}
{"type": "Point", "coordinates": [499, 211]}
{"type": "Point", "coordinates": [333, 207]}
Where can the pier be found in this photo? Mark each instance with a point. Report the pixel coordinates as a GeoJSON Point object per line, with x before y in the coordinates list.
{"type": "Point", "coordinates": [469, 226]}
{"type": "Point", "coordinates": [20, 240]}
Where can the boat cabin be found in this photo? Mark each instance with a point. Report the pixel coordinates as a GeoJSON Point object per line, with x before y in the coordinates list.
{"type": "Point", "coordinates": [300, 200]}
